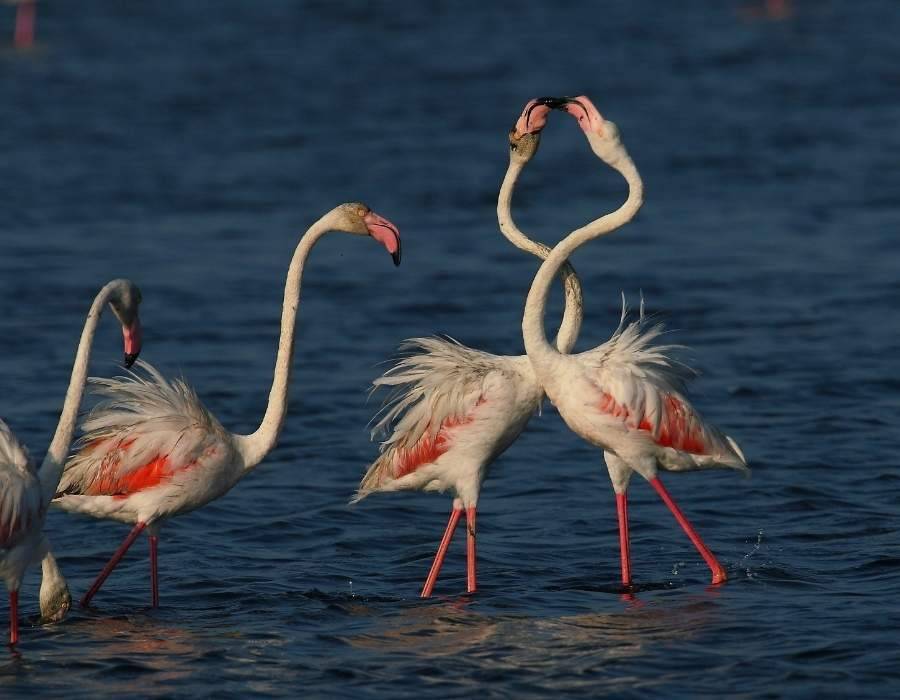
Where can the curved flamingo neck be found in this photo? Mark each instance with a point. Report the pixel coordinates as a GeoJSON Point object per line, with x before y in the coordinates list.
{"type": "Point", "coordinates": [573, 313]}
{"type": "Point", "coordinates": [51, 468]}
{"type": "Point", "coordinates": [254, 447]}
{"type": "Point", "coordinates": [540, 352]}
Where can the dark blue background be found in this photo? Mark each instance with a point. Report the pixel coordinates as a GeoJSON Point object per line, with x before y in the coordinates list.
{"type": "Point", "coordinates": [187, 145]}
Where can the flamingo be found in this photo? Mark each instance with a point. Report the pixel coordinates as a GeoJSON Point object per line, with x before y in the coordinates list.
{"type": "Point", "coordinates": [26, 490]}
{"type": "Point", "coordinates": [455, 409]}
{"type": "Point", "coordinates": [23, 34]}
{"type": "Point", "coordinates": [151, 450]}
{"type": "Point", "coordinates": [626, 396]}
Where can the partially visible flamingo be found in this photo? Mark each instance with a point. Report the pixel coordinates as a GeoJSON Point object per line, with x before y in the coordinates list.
{"type": "Point", "coordinates": [625, 396]}
{"type": "Point", "coordinates": [26, 490]}
{"type": "Point", "coordinates": [23, 35]}
{"type": "Point", "coordinates": [152, 451]}
{"type": "Point", "coordinates": [455, 409]}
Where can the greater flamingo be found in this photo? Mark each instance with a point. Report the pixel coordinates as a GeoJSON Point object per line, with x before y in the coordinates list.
{"type": "Point", "coordinates": [26, 491]}
{"type": "Point", "coordinates": [23, 34]}
{"type": "Point", "coordinates": [625, 396]}
{"type": "Point", "coordinates": [455, 409]}
{"type": "Point", "coordinates": [152, 450]}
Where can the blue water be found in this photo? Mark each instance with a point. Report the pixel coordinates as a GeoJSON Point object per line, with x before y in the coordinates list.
{"type": "Point", "coordinates": [186, 145]}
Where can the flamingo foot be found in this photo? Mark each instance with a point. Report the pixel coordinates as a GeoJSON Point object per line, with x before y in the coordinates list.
{"type": "Point", "coordinates": [718, 571]}
{"type": "Point", "coordinates": [624, 541]}
{"type": "Point", "coordinates": [471, 578]}
{"type": "Point", "coordinates": [154, 581]}
{"type": "Point", "coordinates": [13, 617]}
{"type": "Point", "coordinates": [441, 553]}
{"type": "Point", "coordinates": [111, 564]}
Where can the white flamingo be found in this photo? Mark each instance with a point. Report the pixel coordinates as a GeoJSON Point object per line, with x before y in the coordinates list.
{"type": "Point", "coordinates": [625, 396]}
{"type": "Point", "coordinates": [26, 491]}
{"type": "Point", "coordinates": [152, 450]}
{"type": "Point", "coordinates": [455, 409]}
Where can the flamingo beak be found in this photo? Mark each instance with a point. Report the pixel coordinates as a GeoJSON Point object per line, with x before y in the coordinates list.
{"type": "Point", "coordinates": [133, 338]}
{"type": "Point", "coordinates": [533, 118]}
{"type": "Point", "coordinates": [584, 111]}
{"type": "Point", "coordinates": [385, 233]}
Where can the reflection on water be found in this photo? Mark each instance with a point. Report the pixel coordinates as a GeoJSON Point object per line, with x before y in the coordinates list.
{"type": "Point", "coordinates": [593, 643]}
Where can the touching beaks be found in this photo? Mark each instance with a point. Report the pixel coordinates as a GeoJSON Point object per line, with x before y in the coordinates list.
{"type": "Point", "coordinates": [132, 335]}
{"type": "Point", "coordinates": [385, 233]}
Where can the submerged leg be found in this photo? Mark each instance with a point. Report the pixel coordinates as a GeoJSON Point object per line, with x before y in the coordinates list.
{"type": "Point", "coordinates": [624, 542]}
{"type": "Point", "coordinates": [718, 571]}
{"type": "Point", "coordinates": [13, 617]}
{"type": "Point", "coordinates": [154, 582]}
{"type": "Point", "coordinates": [111, 564]}
{"type": "Point", "coordinates": [442, 552]}
{"type": "Point", "coordinates": [471, 579]}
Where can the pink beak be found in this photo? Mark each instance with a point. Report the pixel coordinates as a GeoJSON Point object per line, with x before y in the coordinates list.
{"type": "Point", "coordinates": [132, 335]}
{"type": "Point", "coordinates": [532, 119]}
{"type": "Point", "coordinates": [385, 233]}
{"type": "Point", "coordinates": [586, 114]}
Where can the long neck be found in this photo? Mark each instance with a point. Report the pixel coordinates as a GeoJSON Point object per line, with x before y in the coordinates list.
{"type": "Point", "coordinates": [52, 466]}
{"type": "Point", "coordinates": [574, 308]}
{"type": "Point", "coordinates": [540, 352]}
{"type": "Point", "coordinates": [254, 447]}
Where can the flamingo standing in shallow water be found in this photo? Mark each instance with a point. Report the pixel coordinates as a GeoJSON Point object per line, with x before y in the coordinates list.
{"type": "Point", "coordinates": [456, 409]}
{"type": "Point", "coordinates": [26, 491]}
{"type": "Point", "coordinates": [625, 396]}
{"type": "Point", "coordinates": [152, 451]}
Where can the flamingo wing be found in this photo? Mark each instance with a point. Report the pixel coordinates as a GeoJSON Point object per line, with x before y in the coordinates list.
{"type": "Point", "coordinates": [437, 387]}
{"type": "Point", "coordinates": [640, 386]}
{"type": "Point", "coordinates": [145, 431]}
{"type": "Point", "coordinates": [20, 491]}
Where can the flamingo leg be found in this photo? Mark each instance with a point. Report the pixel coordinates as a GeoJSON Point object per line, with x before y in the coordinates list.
{"type": "Point", "coordinates": [13, 617]}
{"type": "Point", "coordinates": [154, 581]}
{"type": "Point", "coordinates": [471, 579]}
{"type": "Point", "coordinates": [624, 542]}
{"type": "Point", "coordinates": [718, 571]}
{"type": "Point", "coordinates": [441, 553]}
{"type": "Point", "coordinates": [24, 32]}
{"type": "Point", "coordinates": [111, 564]}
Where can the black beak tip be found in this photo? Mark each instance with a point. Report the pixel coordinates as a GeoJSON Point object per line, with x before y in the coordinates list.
{"type": "Point", "coordinates": [395, 256]}
{"type": "Point", "coordinates": [130, 358]}
{"type": "Point", "coordinates": [554, 102]}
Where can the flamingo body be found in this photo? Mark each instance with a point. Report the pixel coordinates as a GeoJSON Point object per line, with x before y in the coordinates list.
{"type": "Point", "coordinates": [457, 411]}
{"type": "Point", "coordinates": [626, 396]}
{"type": "Point", "coordinates": [21, 515]}
{"type": "Point", "coordinates": [150, 451]}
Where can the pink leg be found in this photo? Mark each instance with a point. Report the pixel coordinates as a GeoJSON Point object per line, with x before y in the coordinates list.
{"type": "Point", "coordinates": [718, 571]}
{"type": "Point", "coordinates": [441, 553]}
{"type": "Point", "coordinates": [471, 579]}
{"type": "Point", "coordinates": [24, 35]}
{"type": "Point", "coordinates": [154, 581]}
{"type": "Point", "coordinates": [111, 564]}
{"type": "Point", "coordinates": [624, 542]}
{"type": "Point", "coordinates": [13, 617]}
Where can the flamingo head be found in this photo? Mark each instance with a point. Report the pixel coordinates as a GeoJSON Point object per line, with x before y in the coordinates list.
{"type": "Point", "coordinates": [356, 217]}
{"type": "Point", "coordinates": [525, 136]}
{"type": "Point", "coordinates": [124, 302]}
{"type": "Point", "coordinates": [602, 134]}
